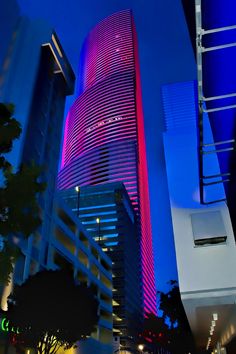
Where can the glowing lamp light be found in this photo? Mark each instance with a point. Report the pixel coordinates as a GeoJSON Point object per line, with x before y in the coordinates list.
{"type": "Point", "coordinates": [97, 220]}
{"type": "Point", "coordinates": [140, 347]}
{"type": "Point", "coordinates": [77, 188]}
{"type": "Point", "coordinates": [215, 316]}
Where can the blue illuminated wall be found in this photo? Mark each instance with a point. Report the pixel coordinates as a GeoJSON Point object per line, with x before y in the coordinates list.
{"type": "Point", "coordinates": [180, 111]}
{"type": "Point", "coordinates": [219, 78]}
{"type": "Point", "coordinates": [219, 74]}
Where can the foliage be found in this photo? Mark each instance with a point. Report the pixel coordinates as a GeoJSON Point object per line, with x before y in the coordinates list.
{"type": "Point", "coordinates": [172, 330]}
{"type": "Point", "coordinates": [155, 330]}
{"type": "Point", "coordinates": [10, 130]}
{"type": "Point", "coordinates": [171, 305]}
{"type": "Point", "coordinates": [52, 311]}
{"type": "Point", "coordinates": [19, 210]}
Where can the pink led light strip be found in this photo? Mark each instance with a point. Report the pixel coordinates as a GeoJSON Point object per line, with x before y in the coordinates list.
{"type": "Point", "coordinates": [110, 87]}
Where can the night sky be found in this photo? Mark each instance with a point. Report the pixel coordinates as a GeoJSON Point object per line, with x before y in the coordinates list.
{"type": "Point", "coordinates": [165, 56]}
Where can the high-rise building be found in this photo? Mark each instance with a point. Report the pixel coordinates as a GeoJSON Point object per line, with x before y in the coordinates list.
{"type": "Point", "coordinates": [70, 245]}
{"type": "Point", "coordinates": [107, 214]}
{"type": "Point", "coordinates": [36, 77]}
{"type": "Point", "coordinates": [104, 137]}
{"type": "Point", "coordinates": [9, 15]}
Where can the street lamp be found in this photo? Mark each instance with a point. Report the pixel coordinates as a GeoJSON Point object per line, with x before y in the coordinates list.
{"type": "Point", "coordinates": [99, 237]}
{"type": "Point", "coordinates": [77, 189]}
{"type": "Point", "coordinates": [140, 347]}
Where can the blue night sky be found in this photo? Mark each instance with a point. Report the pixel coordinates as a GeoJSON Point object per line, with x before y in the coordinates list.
{"type": "Point", "coordinates": [165, 56]}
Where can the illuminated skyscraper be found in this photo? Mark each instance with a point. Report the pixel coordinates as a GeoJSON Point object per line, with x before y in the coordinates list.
{"type": "Point", "coordinates": [106, 213]}
{"type": "Point", "coordinates": [104, 137]}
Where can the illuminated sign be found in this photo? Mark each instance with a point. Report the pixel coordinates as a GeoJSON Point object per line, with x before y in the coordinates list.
{"type": "Point", "coordinates": [103, 122]}
{"type": "Point", "coordinates": [4, 326]}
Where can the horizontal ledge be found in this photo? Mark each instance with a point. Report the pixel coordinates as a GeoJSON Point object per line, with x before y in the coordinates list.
{"type": "Point", "coordinates": [223, 46]}
{"type": "Point", "coordinates": [216, 151]}
{"type": "Point", "coordinates": [206, 99]}
{"type": "Point", "coordinates": [214, 201]}
{"type": "Point", "coordinates": [216, 182]}
{"type": "Point", "coordinates": [219, 143]}
{"type": "Point", "coordinates": [219, 109]}
{"type": "Point", "coordinates": [219, 29]}
{"type": "Point", "coordinates": [215, 176]}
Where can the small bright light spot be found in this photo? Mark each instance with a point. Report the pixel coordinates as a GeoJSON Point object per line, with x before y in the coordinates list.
{"type": "Point", "coordinates": [77, 188]}
{"type": "Point", "coordinates": [140, 347]}
{"type": "Point", "coordinates": [215, 316]}
{"type": "Point", "coordinates": [97, 220]}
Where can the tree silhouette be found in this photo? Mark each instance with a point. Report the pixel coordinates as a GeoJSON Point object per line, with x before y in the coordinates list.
{"type": "Point", "coordinates": [180, 335]}
{"type": "Point", "coordinates": [19, 210]}
{"type": "Point", "coordinates": [52, 311]}
{"type": "Point", "coordinates": [172, 330]}
{"type": "Point", "coordinates": [10, 130]}
{"type": "Point", "coordinates": [156, 330]}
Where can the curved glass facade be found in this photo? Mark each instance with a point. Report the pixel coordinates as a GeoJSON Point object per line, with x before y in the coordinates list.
{"type": "Point", "coordinates": [104, 134]}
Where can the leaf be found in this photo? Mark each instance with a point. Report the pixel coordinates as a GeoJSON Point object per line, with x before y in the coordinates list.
{"type": "Point", "coordinates": [10, 128]}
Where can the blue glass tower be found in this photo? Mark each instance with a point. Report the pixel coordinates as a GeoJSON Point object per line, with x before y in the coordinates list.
{"type": "Point", "coordinates": [36, 77]}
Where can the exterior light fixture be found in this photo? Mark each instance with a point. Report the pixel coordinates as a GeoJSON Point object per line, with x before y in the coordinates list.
{"type": "Point", "coordinates": [140, 347]}
{"type": "Point", "coordinates": [99, 235]}
{"type": "Point", "coordinates": [77, 189]}
{"type": "Point", "coordinates": [213, 323]}
{"type": "Point", "coordinates": [215, 316]}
